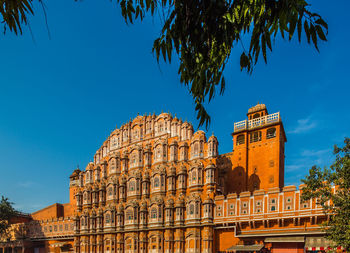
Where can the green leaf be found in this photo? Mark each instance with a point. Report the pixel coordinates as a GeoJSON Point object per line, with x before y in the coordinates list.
{"type": "Point", "coordinates": [307, 32]}
{"type": "Point", "coordinates": [320, 33]}
{"type": "Point", "coordinates": [320, 21]}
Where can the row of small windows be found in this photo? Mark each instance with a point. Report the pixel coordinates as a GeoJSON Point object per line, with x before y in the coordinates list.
{"type": "Point", "coordinates": [155, 215]}
{"type": "Point", "coordinates": [135, 187]}
{"type": "Point", "coordinates": [194, 177]}
{"type": "Point", "coordinates": [139, 158]}
{"type": "Point", "coordinates": [56, 228]}
{"type": "Point", "coordinates": [272, 207]}
{"type": "Point", "coordinates": [256, 136]}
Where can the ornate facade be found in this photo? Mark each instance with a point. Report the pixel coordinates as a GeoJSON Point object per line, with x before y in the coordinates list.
{"type": "Point", "coordinates": [150, 189]}
{"type": "Point", "coordinates": [155, 185]}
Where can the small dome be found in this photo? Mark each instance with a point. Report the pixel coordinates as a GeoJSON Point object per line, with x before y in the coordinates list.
{"type": "Point", "coordinates": [212, 137]}
{"type": "Point", "coordinates": [199, 132]}
{"type": "Point", "coordinates": [75, 173]}
{"type": "Point", "coordinates": [256, 108]}
{"type": "Point", "coordinates": [137, 120]}
{"type": "Point", "coordinates": [163, 115]}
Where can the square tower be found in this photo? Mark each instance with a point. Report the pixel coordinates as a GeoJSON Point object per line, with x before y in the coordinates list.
{"type": "Point", "coordinates": [258, 151]}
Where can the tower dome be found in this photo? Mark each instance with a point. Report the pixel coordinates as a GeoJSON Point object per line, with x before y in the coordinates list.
{"type": "Point", "coordinates": [256, 108]}
{"type": "Point", "coordinates": [257, 111]}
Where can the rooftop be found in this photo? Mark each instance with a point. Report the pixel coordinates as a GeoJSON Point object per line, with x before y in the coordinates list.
{"type": "Point", "coordinates": [254, 123]}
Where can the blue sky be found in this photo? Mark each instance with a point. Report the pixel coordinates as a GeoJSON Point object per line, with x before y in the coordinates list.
{"type": "Point", "coordinates": [61, 97]}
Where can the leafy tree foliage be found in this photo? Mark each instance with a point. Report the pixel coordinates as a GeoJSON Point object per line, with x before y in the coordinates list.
{"type": "Point", "coordinates": [319, 185]}
{"type": "Point", "coordinates": [6, 212]}
{"type": "Point", "coordinates": [15, 13]}
{"type": "Point", "coordinates": [203, 33]}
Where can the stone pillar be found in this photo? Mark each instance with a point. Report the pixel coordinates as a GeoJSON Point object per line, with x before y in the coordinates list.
{"type": "Point", "coordinates": [13, 249]}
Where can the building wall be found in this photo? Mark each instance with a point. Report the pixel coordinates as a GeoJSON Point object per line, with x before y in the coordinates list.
{"type": "Point", "coordinates": [155, 185]}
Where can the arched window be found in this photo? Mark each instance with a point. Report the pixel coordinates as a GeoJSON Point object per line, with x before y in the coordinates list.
{"type": "Point", "coordinates": [136, 134]}
{"type": "Point", "coordinates": [131, 186]}
{"type": "Point", "coordinates": [108, 218]}
{"type": "Point", "coordinates": [148, 127]}
{"type": "Point", "coordinates": [133, 160]}
{"type": "Point", "coordinates": [129, 215]}
{"type": "Point", "coordinates": [125, 135]}
{"type": "Point", "coordinates": [194, 175]}
{"type": "Point", "coordinates": [113, 143]}
{"type": "Point", "coordinates": [154, 213]}
{"type": "Point", "coordinates": [158, 154]}
{"type": "Point", "coordinates": [255, 136]}
{"type": "Point", "coordinates": [191, 209]}
{"type": "Point", "coordinates": [173, 130]}
{"type": "Point", "coordinates": [112, 166]}
{"type": "Point", "coordinates": [156, 182]}
{"type": "Point", "coordinates": [271, 133]}
{"type": "Point", "coordinates": [240, 139]}
{"type": "Point", "coordinates": [196, 150]}
{"type": "Point", "coordinates": [110, 191]}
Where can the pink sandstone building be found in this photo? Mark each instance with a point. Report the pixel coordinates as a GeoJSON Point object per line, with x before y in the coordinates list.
{"type": "Point", "coordinates": [155, 185]}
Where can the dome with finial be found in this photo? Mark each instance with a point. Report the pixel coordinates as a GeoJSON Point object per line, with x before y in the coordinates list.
{"type": "Point", "coordinates": [212, 137]}
{"type": "Point", "coordinates": [75, 173]}
{"type": "Point", "coordinates": [256, 108]}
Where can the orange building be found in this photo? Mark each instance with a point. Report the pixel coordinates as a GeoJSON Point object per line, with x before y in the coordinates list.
{"type": "Point", "coordinates": [155, 185]}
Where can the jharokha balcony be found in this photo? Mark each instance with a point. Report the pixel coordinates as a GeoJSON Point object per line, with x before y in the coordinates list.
{"type": "Point", "coordinates": [257, 122]}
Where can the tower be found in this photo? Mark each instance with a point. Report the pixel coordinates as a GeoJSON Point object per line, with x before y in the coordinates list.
{"type": "Point", "coordinates": [258, 151]}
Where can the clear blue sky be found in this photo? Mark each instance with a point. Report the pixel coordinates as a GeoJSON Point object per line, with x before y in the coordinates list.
{"type": "Point", "coordinates": [61, 97]}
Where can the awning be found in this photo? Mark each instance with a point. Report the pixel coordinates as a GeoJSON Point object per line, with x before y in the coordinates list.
{"type": "Point", "coordinates": [285, 239]}
{"type": "Point", "coordinates": [255, 247]}
{"type": "Point", "coordinates": [319, 243]}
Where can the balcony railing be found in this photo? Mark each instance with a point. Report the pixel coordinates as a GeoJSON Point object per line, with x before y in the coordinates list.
{"type": "Point", "coordinates": [253, 123]}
